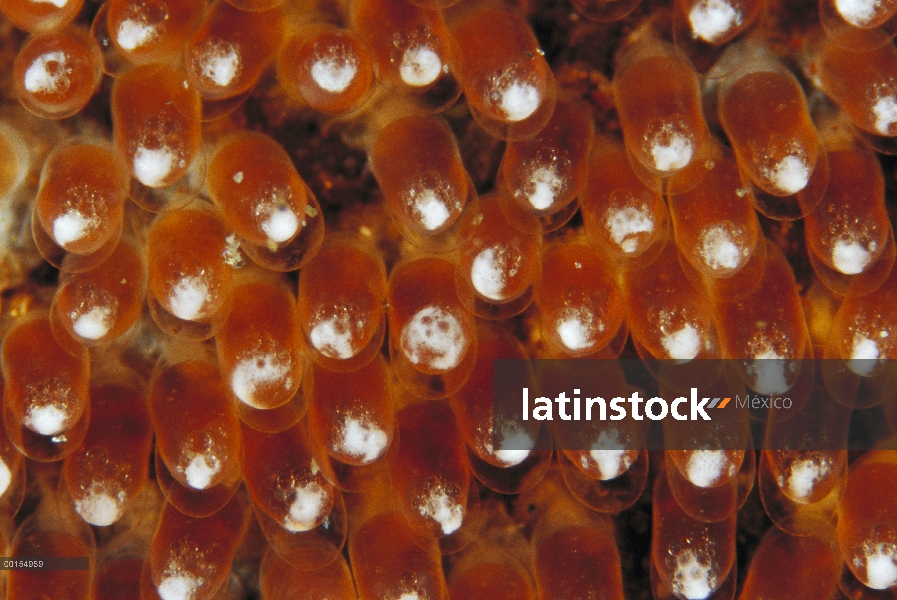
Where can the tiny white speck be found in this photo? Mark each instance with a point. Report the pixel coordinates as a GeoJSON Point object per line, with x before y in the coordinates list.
{"type": "Point", "coordinates": [48, 73]}
{"type": "Point", "coordinates": [434, 338]}
{"type": "Point", "coordinates": [238, 177]}
{"type": "Point", "coordinates": [56, 3]}
{"type": "Point", "coordinates": [93, 324]}
{"type": "Point", "coordinates": [420, 66]}
{"type": "Point", "coordinates": [712, 19]}
{"type": "Point", "coordinates": [71, 227]}
{"type": "Point", "coordinates": [152, 167]}
{"type": "Point", "coordinates": [133, 33]}
{"type": "Point", "coordinates": [189, 298]}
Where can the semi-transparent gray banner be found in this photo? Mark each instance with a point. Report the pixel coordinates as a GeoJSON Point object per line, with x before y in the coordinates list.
{"type": "Point", "coordinates": [628, 404]}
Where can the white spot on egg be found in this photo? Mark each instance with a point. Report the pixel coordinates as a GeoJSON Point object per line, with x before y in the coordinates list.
{"type": "Point", "coordinates": [280, 224]}
{"type": "Point", "coordinates": [684, 344]}
{"type": "Point", "coordinates": [189, 298]}
{"type": "Point", "coordinates": [790, 175]}
{"type": "Point", "coordinates": [578, 328]}
{"type": "Point", "coordinates": [49, 419]}
{"type": "Point", "coordinates": [72, 226]}
{"type": "Point", "coordinates": [94, 323]}
{"type": "Point", "coordinates": [712, 19]}
{"type": "Point", "coordinates": [307, 508]}
{"type": "Point", "coordinates": [201, 471]}
{"type": "Point", "coordinates": [218, 62]}
{"type": "Point", "coordinates": [134, 33]}
{"type": "Point", "coordinates": [179, 587]}
{"type": "Point", "coordinates": [98, 506]}
{"type": "Point", "coordinates": [515, 446]}
{"type": "Point", "coordinates": [48, 73]}
{"type": "Point", "coordinates": [514, 95]}
{"type": "Point", "coordinates": [608, 455]}
{"type": "Point", "coordinates": [694, 577]}
{"type": "Point", "coordinates": [431, 210]}
{"type": "Point", "coordinates": [420, 66]}
{"type": "Point", "coordinates": [881, 566]}
{"type": "Point", "coordinates": [255, 371]}
{"type": "Point", "coordinates": [335, 71]}
{"type": "Point", "coordinates": [5, 477]}
{"type": "Point", "coordinates": [333, 337]}
{"type": "Point", "coordinates": [769, 372]}
{"type": "Point", "coordinates": [864, 356]}
{"type": "Point", "coordinates": [440, 504]}
{"type": "Point", "coordinates": [542, 187]}
{"type": "Point", "coordinates": [885, 111]}
{"type": "Point", "coordinates": [625, 225]}
{"type": "Point", "coordinates": [706, 467]}
{"type": "Point", "coordinates": [858, 13]}
{"type": "Point", "coordinates": [361, 439]}
{"type": "Point", "coordinates": [488, 274]}
{"type": "Point", "coordinates": [719, 249]}
{"type": "Point", "coordinates": [804, 476]}
{"type": "Point", "coordinates": [153, 166]}
{"type": "Point", "coordinates": [850, 257]}
{"type": "Point", "coordinates": [434, 338]}
{"type": "Point", "coordinates": [671, 147]}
